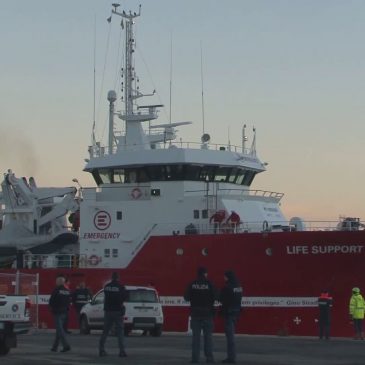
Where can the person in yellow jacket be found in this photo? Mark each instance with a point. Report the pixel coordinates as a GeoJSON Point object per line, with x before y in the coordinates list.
{"type": "Point", "coordinates": [357, 311]}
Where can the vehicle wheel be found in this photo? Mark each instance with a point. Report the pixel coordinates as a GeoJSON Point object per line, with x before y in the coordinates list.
{"type": "Point", "coordinates": [84, 326]}
{"type": "Point", "coordinates": [4, 350]}
{"type": "Point", "coordinates": [156, 332]}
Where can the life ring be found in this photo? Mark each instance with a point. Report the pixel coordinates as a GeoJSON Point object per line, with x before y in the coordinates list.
{"type": "Point", "coordinates": [265, 226]}
{"type": "Point", "coordinates": [94, 260]}
{"type": "Point", "coordinates": [136, 193]}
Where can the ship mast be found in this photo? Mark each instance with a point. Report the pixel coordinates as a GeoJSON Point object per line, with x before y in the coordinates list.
{"type": "Point", "coordinates": [133, 115]}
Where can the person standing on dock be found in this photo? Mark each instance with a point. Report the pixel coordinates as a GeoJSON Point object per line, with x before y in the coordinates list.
{"type": "Point", "coordinates": [230, 298]}
{"type": "Point", "coordinates": [115, 294]}
{"type": "Point", "coordinates": [357, 310]}
{"type": "Point", "coordinates": [80, 297]}
{"type": "Point", "coordinates": [201, 294]}
{"type": "Point", "coordinates": [65, 325]}
{"type": "Point", "coordinates": [59, 303]}
{"type": "Point", "coordinates": [325, 303]}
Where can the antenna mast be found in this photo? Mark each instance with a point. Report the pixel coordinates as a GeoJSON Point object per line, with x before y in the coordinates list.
{"type": "Point", "coordinates": [130, 42]}
{"type": "Point", "coordinates": [94, 87]}
{"type": "Point", "coordinates": [202, 84]}
{"type": "Point", "coordinates": [170, 76]}
{"type": "Point", "coordinates": [244, 138]}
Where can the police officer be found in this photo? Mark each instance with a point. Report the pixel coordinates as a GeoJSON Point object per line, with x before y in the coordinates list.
{"type": "Point", "coordinates": [59, 303]}
{"type": "Point", "coordinates": [325, 303]}
{"type": "Point", "coordinates": [80, 297]}
{"type": "Point", "coordinates": [65, 323]}
{"type": "Point", "coordinates": [357, 311]}
{"type": "Point", "coordinates": [230, 298]}
{"type": "Point", "coordinates": [115, 295]}
{"type": "Point", "coordinates": [201, 294]}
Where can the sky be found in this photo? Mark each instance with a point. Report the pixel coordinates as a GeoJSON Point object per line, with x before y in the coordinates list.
{"type": "Point", "coordinates": [293, 69]}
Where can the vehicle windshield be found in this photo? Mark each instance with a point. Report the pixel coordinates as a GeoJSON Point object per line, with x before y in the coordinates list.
{"type": "Point", "coordinates": [141, 295]}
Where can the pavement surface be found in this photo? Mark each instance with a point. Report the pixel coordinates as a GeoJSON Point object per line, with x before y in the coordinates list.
{"type": "Point", "coordinates": [34, 349]}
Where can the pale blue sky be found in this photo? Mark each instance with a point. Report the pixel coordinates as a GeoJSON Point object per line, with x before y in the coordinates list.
{"type": "Point", "coordinates": [294, 69]}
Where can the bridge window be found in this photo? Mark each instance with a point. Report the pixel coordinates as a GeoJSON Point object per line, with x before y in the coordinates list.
{"type": "Point", "coordinates": [192, 172]}
{"type": "Point", "coordinates": [142, 175]}
{"type": "Point", "coordinates": [131, 176]}
{"type": "Point", "coordinates": [118, 176]}
{"type": "Point", "coordinates": [222, 174]}
{"type": "Point", "coordinates": [207, 173]}
{"type": "Point", "coordinates": [233, 175]}
{"type": "Point", "coordinates": [156, 173]}
{"type": "Point", "coordinates": [240, 176]}
{"type": "Point", "coordinates": [174, 172]}
{"type": "Point", "coordinates": [249, 176]}
{"type": "Point", "coordinates": [104, 176]}
{"type": "Point", "coordinates": [177, 172]}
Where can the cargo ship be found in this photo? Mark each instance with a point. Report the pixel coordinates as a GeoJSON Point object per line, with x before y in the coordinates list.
{"type": "Point", "coordinates": [163, 207]}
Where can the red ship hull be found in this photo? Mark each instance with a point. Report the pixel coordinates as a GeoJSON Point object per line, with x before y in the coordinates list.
{"type": "Point", "coordinates": [275, 270]}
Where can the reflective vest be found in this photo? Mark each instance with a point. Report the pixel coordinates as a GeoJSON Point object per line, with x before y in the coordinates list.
{"type": "Point", "coordinates": [357, 306]}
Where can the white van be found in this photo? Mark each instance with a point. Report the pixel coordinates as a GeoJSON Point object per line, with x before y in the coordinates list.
{"type": "Point", "coordinates": [143, 311]}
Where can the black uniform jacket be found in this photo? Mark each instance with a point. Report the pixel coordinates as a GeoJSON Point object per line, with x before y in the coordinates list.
{"type": "Point", "coordinates": [115, 295]}
{"type": "Point", "coordinates": [60, 300]}
{"type": "Point", "coordinates": [81, 296]}
{"type": "Point", "coordinates": [201, 294]}
{"type": "Point", "coordinates": [231, 297]}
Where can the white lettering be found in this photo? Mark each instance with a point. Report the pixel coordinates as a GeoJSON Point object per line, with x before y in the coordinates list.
{"type": "Point", "coordinates": [297, 250]}
{"type": "Point", "coordinates": [324, 249]}
{"type": "Point", "coordinates": [111, 289]}
{"type": "Point", "coordinates": [100, 235]}
{"type": "Point", "coordinates": [200, 286]}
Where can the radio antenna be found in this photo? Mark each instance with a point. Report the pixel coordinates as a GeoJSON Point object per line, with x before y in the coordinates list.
{"type": "Point", "coordinates": [170, 76]}
{"type": "Point", "coordinates": [94, 86]}
{"type": "Point", "coordinates": [202, 84]}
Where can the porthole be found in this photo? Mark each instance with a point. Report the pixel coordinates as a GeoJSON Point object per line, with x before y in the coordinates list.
{"type": "Point", "coordinates": [179, 252]}
{"type": "Point", "coordinates": [205, 252]}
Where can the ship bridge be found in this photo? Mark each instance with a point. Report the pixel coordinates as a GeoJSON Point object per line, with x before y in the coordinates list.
{"type": "Point", "coordinates": [143, 152]}
{"type": "Point", "coordinates": [175, 164]}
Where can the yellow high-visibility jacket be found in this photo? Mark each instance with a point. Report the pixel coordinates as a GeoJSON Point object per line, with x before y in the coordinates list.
{"type": "Point", "coordinates": [357, 306]}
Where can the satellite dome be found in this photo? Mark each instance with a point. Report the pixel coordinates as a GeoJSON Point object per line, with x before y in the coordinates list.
{"type": "Point", "coordinates": [205, 138]}
{"type": "Point", "coordinates": [112, 96]}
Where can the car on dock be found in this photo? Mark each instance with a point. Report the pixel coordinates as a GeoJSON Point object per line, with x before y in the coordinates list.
{"type": "Point", "coordinates": [143, 311]}
{"type": "Point", "coordinates": [14, 320]}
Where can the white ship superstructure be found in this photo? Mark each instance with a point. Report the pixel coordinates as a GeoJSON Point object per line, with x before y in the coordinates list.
{"type": "Point", "coordinates": [151, 184]}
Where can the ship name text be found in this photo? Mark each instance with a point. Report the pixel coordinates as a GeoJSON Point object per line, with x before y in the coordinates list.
{"type": "Point", "coordinates": [324, 249]}
{"type": "Point", "coordinates": [100, 236]}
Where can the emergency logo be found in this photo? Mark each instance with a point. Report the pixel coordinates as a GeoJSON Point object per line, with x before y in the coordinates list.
{"type": "Point", "coordinates": [15, 307]}
{"type": "Point", "coordinates": [102, 220]}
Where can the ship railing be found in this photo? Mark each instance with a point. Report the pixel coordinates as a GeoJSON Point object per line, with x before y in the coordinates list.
{"type": "Point", "coordinates": [148, 114]}
{"type": "Point", "coordinates": [194, 228]}
{"type": "Point", "coordinates": [98, 150]}
{"type": "Point", "coordinates": [252, 192]}
{"type": "Point", "coordinates": [44, 261]}
{"type": "Point", "coordinates": [243, 192]}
